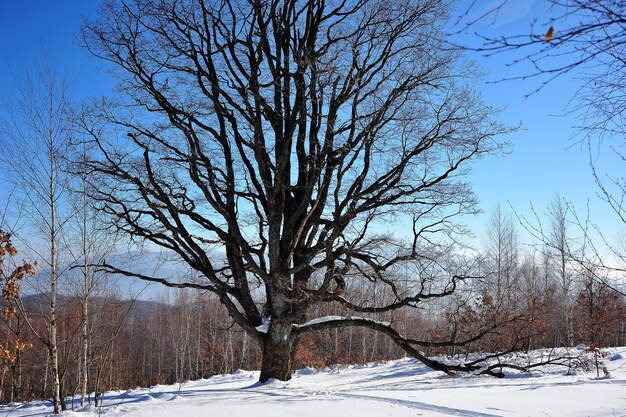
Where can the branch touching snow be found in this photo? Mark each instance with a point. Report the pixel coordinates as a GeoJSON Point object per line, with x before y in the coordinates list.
{"type": "Point", "coordinates": [409, 346]}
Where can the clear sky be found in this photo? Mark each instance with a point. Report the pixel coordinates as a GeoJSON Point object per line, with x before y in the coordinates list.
{"type": "Point", "coordinates": [546, 157]}
{"type": "Point", "coordinates": [542, 162]}
{"type": "Point", "coordinates": [30, 27]}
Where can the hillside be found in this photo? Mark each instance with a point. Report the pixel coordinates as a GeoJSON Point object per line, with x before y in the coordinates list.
{"type": "Point", "coordinates": [396, 388]}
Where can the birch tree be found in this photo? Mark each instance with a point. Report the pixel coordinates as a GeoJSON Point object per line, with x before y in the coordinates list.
{"type": "Point", "coordinates": [32, 139]}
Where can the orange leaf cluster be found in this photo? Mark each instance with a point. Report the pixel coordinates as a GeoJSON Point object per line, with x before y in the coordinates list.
{"type": "Point", "coordinates": [8, 312]}
{"type": "Point", "coordinates": [21, 346]}
{"type": "Point", "coordinates": [6, 355]}
{"type": "Point", "coordinates": [10, 281]}
{"type": "Point", "coordinates": [6, 247]}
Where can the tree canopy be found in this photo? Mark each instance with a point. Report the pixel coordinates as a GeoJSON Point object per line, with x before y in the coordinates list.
{"type": "Point", "coordinates": [271, 144]}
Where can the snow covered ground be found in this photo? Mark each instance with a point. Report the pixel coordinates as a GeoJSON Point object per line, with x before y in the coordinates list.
{"type": "Point", "coordinates": [396, 388]}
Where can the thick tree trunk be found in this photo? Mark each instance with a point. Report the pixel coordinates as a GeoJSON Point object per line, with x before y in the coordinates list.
{"type": "Point", "coordinates": [279, 347]}
{"type": "Point", "coordinates": [280, 342]}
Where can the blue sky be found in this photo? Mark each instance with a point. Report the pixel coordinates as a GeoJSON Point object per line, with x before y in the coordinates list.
{"type": "Point", "coordinates": [544, 159]}
{"type": "Point", "coordinates": [28, 27]}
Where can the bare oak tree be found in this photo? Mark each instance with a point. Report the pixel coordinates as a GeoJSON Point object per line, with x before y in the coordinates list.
{"type": "Point", "coordinates": [274, 146]}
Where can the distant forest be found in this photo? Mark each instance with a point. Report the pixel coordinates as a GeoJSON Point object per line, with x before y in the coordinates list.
{"type": "Point", "coordinates": [190, 335]}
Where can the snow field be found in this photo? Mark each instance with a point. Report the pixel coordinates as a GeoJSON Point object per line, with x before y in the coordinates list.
{"type": "Point", "coordinates": [396, 388]}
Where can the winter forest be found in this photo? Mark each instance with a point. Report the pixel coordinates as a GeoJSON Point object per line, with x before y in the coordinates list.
{"type": "Point", "coordinates": [287, 184]}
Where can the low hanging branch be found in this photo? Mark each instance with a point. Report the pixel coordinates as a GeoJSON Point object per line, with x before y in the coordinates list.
{"type": "Point", "coordinates": [479, 366]}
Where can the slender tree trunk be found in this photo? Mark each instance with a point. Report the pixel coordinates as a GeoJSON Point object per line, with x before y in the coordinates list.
{"type": "Point", "coordinates": [85, 353]}
{"type": "Point", "coordinates": [62, 398]}
{"type": "Point", "coordinates": [364, 346]}
{"type": "Point", "coordinates": [96, 395]}
{"type": "Point", "coordinates": [350, 345]}
{"type": "Point", "coordinates": [569, 333]}
{"type": "Point", "coordinates": [4, 372]}
{"type": "Point", "coordinates": [198, 346]}
{"type": "Point", "coordinates": [85, 306]}
{"type": "Point", "coordinates": [46, 374]}
{"type": "Point", "coordinates": [213, 335]}
{"type": "Point", "coordinates": [53, 345]}
{"type": "Point", "coordinates": [243, 354]}
{"type": "Point", "coordinates": [17, 382]}
{"type": "Point", "coordinates": [228, 353]}
{"type": "Point", "coordinates": [374, 347]}
{"type": "Point", "coordinates": [56, 383]}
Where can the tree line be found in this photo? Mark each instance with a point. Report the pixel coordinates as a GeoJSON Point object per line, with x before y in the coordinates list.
{"type": "Point", "coordinates": [187, 334]}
